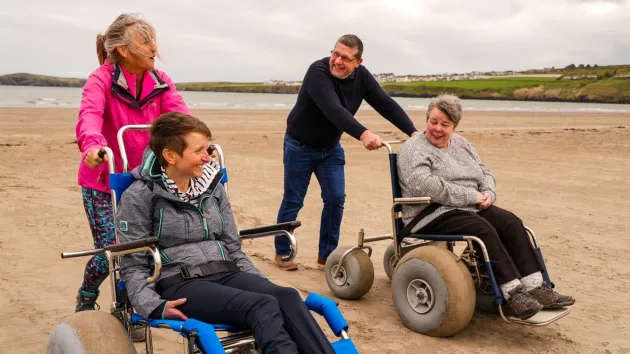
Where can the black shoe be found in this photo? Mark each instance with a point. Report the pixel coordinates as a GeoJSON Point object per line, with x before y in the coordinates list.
{"type": "Point", "coordinates": [522, 304]}
{"type": "Point", "coordinates": [550, 299]}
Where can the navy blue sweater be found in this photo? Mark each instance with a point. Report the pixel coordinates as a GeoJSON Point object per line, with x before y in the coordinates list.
{"type": "Point", "coordinates": [326, 106]}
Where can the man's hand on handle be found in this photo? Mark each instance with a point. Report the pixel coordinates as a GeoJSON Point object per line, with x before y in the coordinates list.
{"type": "Point", "coordinates": [93, 160]}
{"type": "Point", "coordinates": [370, 140]}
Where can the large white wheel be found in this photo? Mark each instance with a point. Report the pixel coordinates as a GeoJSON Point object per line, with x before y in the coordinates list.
{"type": "Point", "coordinates": [433, 293]}
{"type": "Point", "coordinates": [90, 332]}
{"type": "Point", "coordinates": [357, 274]}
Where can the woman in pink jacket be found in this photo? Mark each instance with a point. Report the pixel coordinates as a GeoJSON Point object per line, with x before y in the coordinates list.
{"type": "Point", "coordinates": [125, 89]}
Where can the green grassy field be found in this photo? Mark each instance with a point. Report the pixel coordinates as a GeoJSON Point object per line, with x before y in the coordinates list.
{"type": "Point", "coordinates": [494, 84]}
{"type": "Point", "coordinates": [531, 88]}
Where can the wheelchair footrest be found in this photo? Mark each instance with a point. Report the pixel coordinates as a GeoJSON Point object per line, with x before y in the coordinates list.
{"type": "Point", "coordinates": [543, 317]}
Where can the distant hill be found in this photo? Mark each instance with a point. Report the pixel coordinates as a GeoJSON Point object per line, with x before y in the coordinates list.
{"type": "Point", "coordinates": [586, 71]}
{"type": "Point", "coordinates": [23, 79]}
{"type": "Point", "coordinates": [252, 87]}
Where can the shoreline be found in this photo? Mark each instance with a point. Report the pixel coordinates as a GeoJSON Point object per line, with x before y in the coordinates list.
{"type": "Point", "coordinates": [361, 111]}
{"type": "Point", "coordinates": [292, 90]}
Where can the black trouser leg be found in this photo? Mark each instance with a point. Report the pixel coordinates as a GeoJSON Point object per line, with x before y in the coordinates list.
{"type": "Point", "coordinates": [515, 239]}
{"type": "Point", "coordinates": [459, 222]}
{"type": "Point", "coordinates": [277, 315]}
{"type": "Point", "coordinates": [298, 320]}
{"type": "Point", "coordinates": [211, 302]}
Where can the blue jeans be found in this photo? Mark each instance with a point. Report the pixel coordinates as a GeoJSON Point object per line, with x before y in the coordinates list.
{"type": "Point", "coordinates": [300, 161]}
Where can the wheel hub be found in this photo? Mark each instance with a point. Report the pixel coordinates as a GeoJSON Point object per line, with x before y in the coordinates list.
{"type": "Point", "coordinates": [392, 262]}
{"type": "Point", "coordinates": [420, 296]}
{"type": "Point", "coordinates": [341, 279]}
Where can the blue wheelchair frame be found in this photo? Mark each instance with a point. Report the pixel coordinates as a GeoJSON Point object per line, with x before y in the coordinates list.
{"type": "Point", "coordinates": [201, 337]}
{"type": "Point", "coordinates": [479, 265]}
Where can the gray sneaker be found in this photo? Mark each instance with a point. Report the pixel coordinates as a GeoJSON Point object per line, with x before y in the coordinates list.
{"type": "Point", "coordinates": [138, 333]}
{"type": "Point", "coordinates": [550, 299]}
{"type": "Point", "coordinates": [522, 304]}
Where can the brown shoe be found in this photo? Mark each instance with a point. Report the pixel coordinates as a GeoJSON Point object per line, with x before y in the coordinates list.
{"type": "Point", "coordinates": [522, 304]}
{"type": "Point", "coordinates": [284, 264]}
{"type": "Point", "coordinates": [321, 263]}
{"type": "Point", "coordinates": [550, 299]}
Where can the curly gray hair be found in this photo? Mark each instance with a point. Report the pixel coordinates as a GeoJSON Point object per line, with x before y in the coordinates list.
{"type": "Point", "coordinates": [449, 105]}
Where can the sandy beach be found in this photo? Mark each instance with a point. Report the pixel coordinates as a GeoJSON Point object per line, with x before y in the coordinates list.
{"type": "Point", "coordinates": [565, 175]}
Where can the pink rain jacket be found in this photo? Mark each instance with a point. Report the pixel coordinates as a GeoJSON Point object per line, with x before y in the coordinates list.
{"type": "Point", "coordinates": [109, 103]}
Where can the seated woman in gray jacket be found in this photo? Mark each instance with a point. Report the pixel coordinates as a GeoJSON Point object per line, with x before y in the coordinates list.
{"type": "Point", "coordinates": [444, 166]}
{"type": "Point", "coordinates": [177, 197]}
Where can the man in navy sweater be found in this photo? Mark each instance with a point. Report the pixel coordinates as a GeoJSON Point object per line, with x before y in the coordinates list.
{"type": "Point", "coordinates": [331, 93]}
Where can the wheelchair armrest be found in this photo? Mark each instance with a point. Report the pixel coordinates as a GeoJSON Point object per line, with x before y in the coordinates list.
{"type": "Point", "coordinates": [121, 247]}
{"type": "Point", "coordinates": [285, 226]}
{"type": "Point", "coordinates": [328, 309]}
{"type": "Point", "coordinates": [149, 241]}
{"type": "Point", "coordinates": [413, 200]}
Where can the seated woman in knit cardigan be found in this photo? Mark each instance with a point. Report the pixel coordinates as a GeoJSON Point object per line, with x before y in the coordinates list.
{"type": "Point", "coordinates": [445, 167]}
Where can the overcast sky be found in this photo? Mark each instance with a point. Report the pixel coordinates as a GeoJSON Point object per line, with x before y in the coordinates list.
{"type": "Point", "coordinates": [257, 40]}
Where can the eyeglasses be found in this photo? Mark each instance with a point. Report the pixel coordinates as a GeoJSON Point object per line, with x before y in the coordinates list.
{"type": "Point", "coordinates": [344, 58]}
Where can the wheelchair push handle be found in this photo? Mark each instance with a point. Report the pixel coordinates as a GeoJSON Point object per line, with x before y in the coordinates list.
{"type": "Point", "coordinates": [388, 144]}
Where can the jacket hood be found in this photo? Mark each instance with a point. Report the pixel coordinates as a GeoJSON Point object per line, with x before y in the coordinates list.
{"type": "Point", "coordinates": [149, 169]}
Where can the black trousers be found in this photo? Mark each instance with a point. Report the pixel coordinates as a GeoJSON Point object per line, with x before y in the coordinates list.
{"type": "Point", "coordinates": [510, 252]}
{"type": "Point", "coordinates": [277, 315]}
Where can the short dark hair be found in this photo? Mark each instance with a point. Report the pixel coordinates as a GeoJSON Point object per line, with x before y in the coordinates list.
{"type": "Point", "coordinates": [169, 132]}
{"type": "Point", "coordinates": [352, 41]}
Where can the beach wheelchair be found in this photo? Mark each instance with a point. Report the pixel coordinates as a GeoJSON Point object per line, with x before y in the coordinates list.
{"type": "Point", "coordinates": [435, 289]}
{"type": "Point", "coordinates": [91, 332]}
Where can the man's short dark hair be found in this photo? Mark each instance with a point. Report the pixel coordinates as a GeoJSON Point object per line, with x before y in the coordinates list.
{"type": "Point", "coordinates": [352, 41]}
{"type": "Point", "coordinates": [169, 132]}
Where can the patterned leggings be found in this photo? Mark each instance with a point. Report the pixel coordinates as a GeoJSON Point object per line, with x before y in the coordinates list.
{"type": "Point", "coordinates": [98, 207]}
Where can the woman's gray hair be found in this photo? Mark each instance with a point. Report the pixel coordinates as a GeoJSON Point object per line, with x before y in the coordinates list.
{"type": "Point", "coordinates": [449, 105]}
{"type": "Point", "coordinates": [120, 34]}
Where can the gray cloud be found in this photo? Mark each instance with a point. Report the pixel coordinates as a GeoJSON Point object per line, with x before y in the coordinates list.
{"type": "Point", "coordinates": [251, 40]}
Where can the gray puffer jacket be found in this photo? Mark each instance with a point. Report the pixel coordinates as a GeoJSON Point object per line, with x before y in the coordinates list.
{"type": "Point", "coordinates": [189, 235]}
